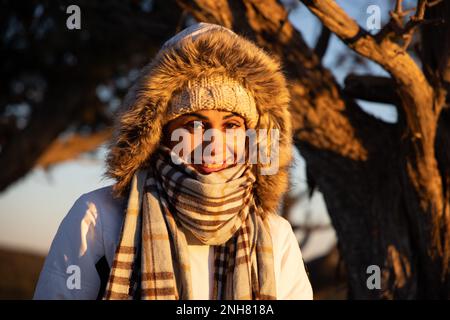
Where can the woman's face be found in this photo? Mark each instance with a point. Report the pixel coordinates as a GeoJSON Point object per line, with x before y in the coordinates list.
{"type": "Point", "coordinates": [212, 140]}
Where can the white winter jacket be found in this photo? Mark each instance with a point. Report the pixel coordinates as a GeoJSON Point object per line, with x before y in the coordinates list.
{"type": "Point", "coordinates": [89, 234]}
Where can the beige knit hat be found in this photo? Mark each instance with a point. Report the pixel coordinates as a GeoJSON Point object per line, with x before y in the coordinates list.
{"type": "Point", "coordinates": [216, 92]}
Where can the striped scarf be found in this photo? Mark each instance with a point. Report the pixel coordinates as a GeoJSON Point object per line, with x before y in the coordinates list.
{"type": "Point", "coordinates": [152, 258]}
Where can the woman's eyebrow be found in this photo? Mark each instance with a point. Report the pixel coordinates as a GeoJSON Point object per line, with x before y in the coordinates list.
{"type": "Point", "coordinates": [230, 115]}
{"type": "Point", "coordinates": [198, 115]}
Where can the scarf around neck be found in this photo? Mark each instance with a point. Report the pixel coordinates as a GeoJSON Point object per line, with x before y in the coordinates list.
{"type": "Point", "coordinates": [169, 197]}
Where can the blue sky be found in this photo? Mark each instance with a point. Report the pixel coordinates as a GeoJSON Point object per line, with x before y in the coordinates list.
{"type": "Point", "coordinates": [32, 208]}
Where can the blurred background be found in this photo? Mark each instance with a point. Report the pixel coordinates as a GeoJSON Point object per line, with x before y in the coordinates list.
{"type": "Point", "coordinates": [59, 90]}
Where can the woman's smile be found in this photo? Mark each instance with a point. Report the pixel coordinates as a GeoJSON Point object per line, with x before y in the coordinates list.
{"type": "Point", "coordinates": [206, 168]}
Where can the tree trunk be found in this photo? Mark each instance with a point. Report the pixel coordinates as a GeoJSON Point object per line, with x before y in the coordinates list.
{"type": "Point", "coordinates": [410, 200]}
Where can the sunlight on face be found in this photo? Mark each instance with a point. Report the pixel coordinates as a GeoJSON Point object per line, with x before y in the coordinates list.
{"type": "Point", "coordinates": [218, 134]}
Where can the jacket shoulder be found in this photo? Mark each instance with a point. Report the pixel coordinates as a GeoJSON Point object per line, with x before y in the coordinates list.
{"type": "Point", "coordinates": [86, 234]}
{"type": "Point", "coordinates": [107, 207]}
{"type": "Point", "coordinates": [110, 212]}
{"type": "Point", "coordinates": [279, 226]}
{"type": "Point", "coordinates": [103, 196]}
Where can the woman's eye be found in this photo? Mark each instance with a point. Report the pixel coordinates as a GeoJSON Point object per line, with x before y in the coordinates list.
{"type": "Point", "coordinates": [232, 125]}
{"type": "Point", "coordinates": [194, 125]}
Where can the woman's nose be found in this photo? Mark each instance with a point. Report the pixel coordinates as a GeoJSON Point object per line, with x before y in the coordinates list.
{"type": "Point", "coordinates": [216, 143]}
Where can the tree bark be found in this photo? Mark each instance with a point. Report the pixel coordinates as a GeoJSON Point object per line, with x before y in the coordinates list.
{"type": "Point", "coordinates": [426, 204]}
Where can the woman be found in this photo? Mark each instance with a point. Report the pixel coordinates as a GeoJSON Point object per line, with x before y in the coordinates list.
{"type": "Point", "coordinates": [189, 217]}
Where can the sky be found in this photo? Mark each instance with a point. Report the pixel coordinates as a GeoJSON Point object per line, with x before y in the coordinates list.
{"type": "Point", "coordinates": [33, 207]}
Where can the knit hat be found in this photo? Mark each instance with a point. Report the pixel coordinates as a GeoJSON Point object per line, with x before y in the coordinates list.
{"type": "Point", "coordinates": [216, 92]}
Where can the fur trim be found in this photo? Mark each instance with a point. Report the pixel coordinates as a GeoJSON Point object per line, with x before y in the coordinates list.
{"type": "Point", "coordinates": [138, 128]}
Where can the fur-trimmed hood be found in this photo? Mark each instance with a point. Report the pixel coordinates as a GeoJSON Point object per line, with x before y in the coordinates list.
{"type": "Point", "coordinates": [200, 50]}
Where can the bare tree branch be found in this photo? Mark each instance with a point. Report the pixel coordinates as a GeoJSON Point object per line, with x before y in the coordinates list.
{"type": "Point", "coordinates": [322, 42]}
{"type": "Point", "coordinates": [70, 148]}
{"type": "Point", "coordinates": [371, 88]}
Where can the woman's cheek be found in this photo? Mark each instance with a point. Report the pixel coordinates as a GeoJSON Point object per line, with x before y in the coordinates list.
{"type": "Point", "coordinates": [235, 146]}
{"type": "Point", "coordinates": [183, 143]}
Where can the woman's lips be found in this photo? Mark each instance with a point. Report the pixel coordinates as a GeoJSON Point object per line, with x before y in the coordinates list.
{"type": "Point", "coordinates": [211, 167]}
